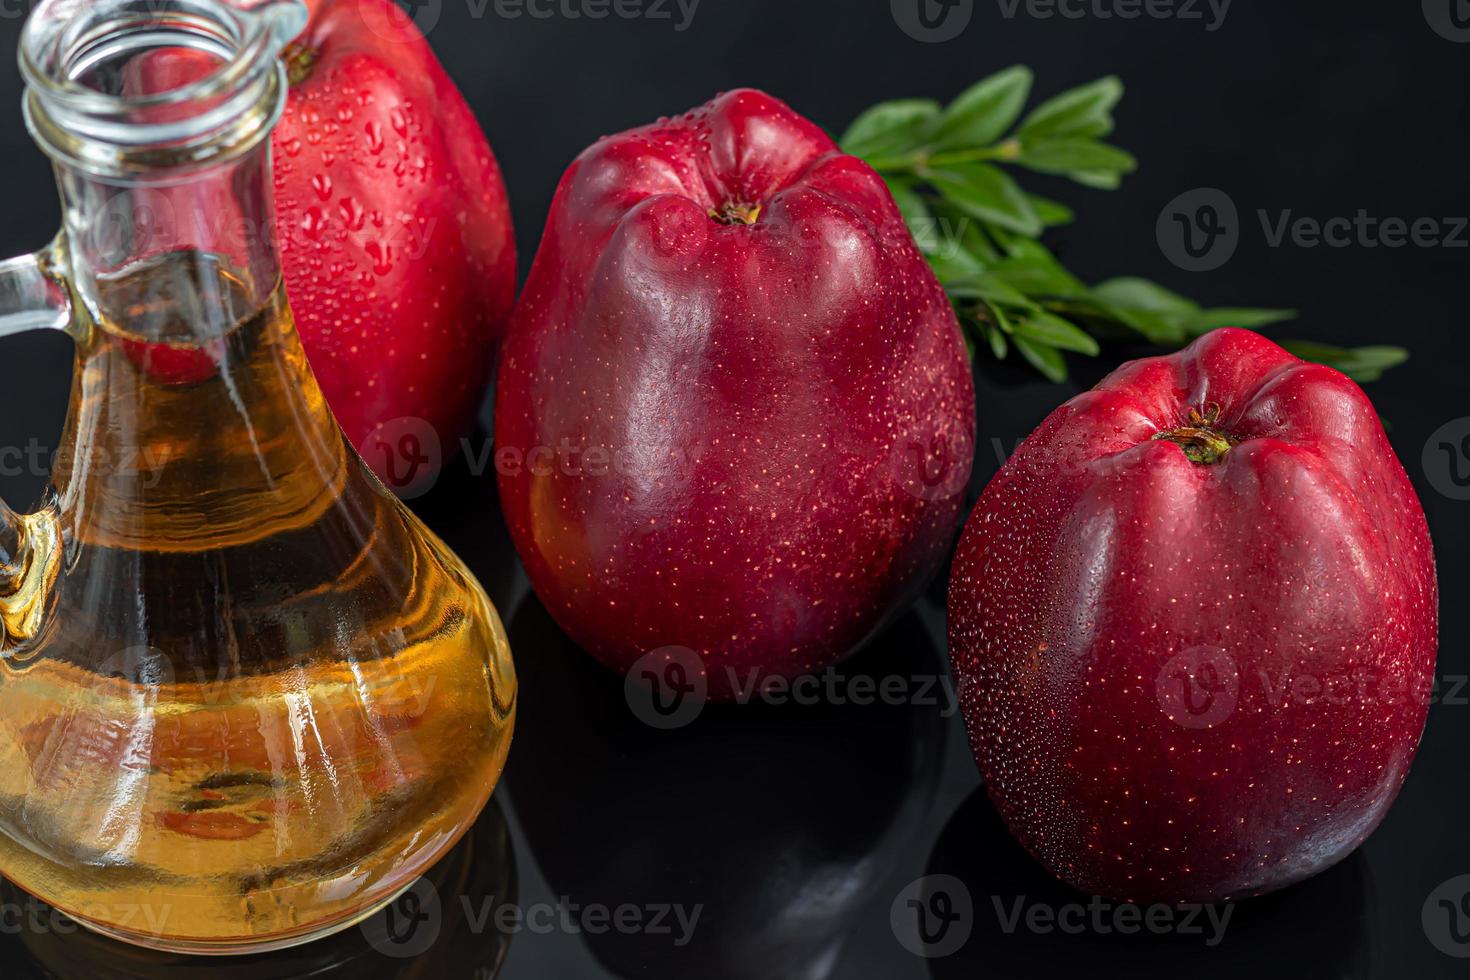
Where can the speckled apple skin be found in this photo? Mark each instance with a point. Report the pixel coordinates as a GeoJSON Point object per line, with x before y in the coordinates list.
{"type": "Point", "coordinates": [395, 231]}
{"type": "Point", "coordinates": [1100, 562]}
{"type": "Point", "coordinates": [788, 404]}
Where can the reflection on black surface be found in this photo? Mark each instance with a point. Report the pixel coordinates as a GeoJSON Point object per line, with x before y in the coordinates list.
{"type": "Point", "coordinates": [463, 508]}
{"type": "Point", "coordinates": [443, 932]}
{"type": "Point", "coordinates": [1316, 929]}
{"type": "Point", "coordinates": [780, 820]}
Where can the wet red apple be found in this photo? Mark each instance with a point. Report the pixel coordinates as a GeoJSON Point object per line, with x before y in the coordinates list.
{"type": "Point", "coordinates": [1194, 622]}
{"type": "Point", "coordinates": [394, 228]}
{"type": "Point", "coordinates": [395, 232]}
{"type": "Point", "coordinates": [734, 413]}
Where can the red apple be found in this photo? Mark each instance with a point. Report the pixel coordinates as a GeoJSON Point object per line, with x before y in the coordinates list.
{"type": "Point", "coordinates": [394, 225]}
{"type": "Point", "coordinates": [734, 411]}
{"type": "Point", "coordinates": [1193, 622]}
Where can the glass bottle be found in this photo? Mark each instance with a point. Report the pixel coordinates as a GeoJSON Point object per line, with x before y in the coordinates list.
{"type": "Point", "coordinates": [246, 697]}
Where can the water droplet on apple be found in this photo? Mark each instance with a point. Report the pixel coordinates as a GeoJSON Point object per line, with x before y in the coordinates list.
{"type": "Point", "coordinates": [382, 256]}
{"type": "Point", "coordinates": [352, 213]}
{"type": "Point", "coordinates": [313, 222]}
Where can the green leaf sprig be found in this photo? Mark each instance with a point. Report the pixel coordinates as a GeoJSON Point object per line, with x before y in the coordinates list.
{"type": "Point", "coordinates": [980, 229]}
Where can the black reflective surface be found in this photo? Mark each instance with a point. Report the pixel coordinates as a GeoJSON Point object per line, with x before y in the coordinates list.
{"type": "Point", "coordinates": [777, 823]}
{"type": "Point", "coordinates": [1022, 917]}
{"type": "Point", "coordinates": [769, 840]}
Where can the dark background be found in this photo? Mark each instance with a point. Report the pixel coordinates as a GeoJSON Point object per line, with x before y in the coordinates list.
{"type": "Point", "coordinates": [1323, 109]}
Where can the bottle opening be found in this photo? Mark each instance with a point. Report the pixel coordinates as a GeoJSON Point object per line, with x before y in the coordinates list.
{"type": "Point", "coordinates": [136, 68]}
{"type": "Point", "coordinates": [122, 87]}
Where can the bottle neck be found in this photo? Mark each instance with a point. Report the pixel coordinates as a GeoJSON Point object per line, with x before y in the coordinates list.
{"type": "Point", "coordinates": [196, 423]}
{"type": "Point", "coordinates": [158, 114]}
{"type": "Point", "coordinates": [210, 221]}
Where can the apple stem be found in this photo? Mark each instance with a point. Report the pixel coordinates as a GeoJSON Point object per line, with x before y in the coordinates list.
{"type": "Point", "coordinates": [1201, 441]}
{"type": "Point", "coordinates": [736, 214]}
{"type": "Point", "coordinates": [300, 59]}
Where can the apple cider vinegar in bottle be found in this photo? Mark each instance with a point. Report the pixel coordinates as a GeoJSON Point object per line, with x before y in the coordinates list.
{"type": "Point", "coordinates": [246, 698]}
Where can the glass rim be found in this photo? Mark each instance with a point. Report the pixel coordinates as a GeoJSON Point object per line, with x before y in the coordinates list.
{"type": "Point", "coordinates": [114, 133]}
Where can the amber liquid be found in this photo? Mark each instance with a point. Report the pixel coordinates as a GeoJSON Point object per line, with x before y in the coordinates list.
{"type": "Point", "coordinates": [268, 698]}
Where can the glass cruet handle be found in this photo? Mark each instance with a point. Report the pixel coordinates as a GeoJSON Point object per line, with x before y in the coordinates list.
{"type": "Point", "coordinates": [33, 296]}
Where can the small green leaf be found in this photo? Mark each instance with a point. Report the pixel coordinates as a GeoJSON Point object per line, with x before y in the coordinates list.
{"type": "Point", "coordinates": [978, 227]}
{"type": "Point", "coordinates": [1031, 268]}
{"type": "Point", "coordinates": [1160, 328]}
{"type": "Point", "coordinates": [1146, 308]}
{"type": "Point", "coordinates": [1358, 363]}
{"type": "Point", "coordinates": [996, 290]}
{"type": "Point", "coordinates": [1165, 317]}
{"type": "Point", "coordinates": [970, 231]}
{"type": "Point", "coordinates": [1141, 294]}
{"type": "Point", "coordinates": [1047, 360]}
{"type": "Point", "coordinates": [1227, 316]}
{"type": "Point", "coordinates": [974, 325]}
{"type": "Point", "coordinates": [1053, 331]}
{"type": "Point", "coordinates": [1074, 155]}
{"type": "Point", "coordinates": [1050, 212]}
{"type": "Point", "coordinates": [1001, 319]}
{"type": "Point", "coordinates": [998, 345]}
{"type": "Point", "coordinates": [899, 126]}
{"type": "Point", "coordinates": [987, 193]}
{"type": "Point", "coordinates": [1103, 180]}
{"type": "Point", "coordinates": [1103, 322]}
{"type": "Point", "coordinates": [983, 113]}
{"type": "Point", "coordinates": [992, 288]}
{"type": "Point", "coordinates": [954, 263]}
{"type": "Point", "coordinates": [1084, 111]}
